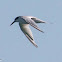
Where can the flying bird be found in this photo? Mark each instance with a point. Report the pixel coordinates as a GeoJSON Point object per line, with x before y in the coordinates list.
{"type": "Point", "coordinates": [24, 22]}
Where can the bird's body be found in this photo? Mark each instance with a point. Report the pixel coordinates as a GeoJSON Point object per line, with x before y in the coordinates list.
{"type": "Point", "coordinates": [24, 22]}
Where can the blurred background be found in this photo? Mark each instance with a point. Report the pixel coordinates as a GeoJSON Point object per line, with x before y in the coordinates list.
{"type": "Point", "coordinates": [15, 47]}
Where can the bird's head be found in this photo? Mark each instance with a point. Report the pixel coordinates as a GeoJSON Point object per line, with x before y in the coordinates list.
{"type": "Point", "coordinates": [15, 20]}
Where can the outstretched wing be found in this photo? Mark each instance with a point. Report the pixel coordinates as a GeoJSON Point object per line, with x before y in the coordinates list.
{"type": "Point", "coordinates": [37, 20]}
{"type": "Point", "coordinates": [26, 30]}
{"type": "Point", "coordinates": [32, 23]}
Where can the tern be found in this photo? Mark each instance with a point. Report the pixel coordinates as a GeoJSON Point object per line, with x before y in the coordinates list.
{"type": "Point", "coordinates": [24, 22]}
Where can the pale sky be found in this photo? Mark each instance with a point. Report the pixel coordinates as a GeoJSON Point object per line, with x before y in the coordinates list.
{"type": "Point", "coordinates": [15, 47]}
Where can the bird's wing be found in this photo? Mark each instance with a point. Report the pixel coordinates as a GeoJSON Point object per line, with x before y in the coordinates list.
{"type": "Point", "coordinates": [26, 30]}
{"type": "Point", "coordinates": [37, 20]}
{"type": "Point", "coordinates": [32, 23]}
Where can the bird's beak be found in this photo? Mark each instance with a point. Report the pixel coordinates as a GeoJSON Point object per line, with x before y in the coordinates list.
{"type": "Point", "coordinates": [12, 23]}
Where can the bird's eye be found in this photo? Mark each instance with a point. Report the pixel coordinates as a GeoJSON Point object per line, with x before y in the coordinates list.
{"type": "Point", "coordinates": [16, 18]}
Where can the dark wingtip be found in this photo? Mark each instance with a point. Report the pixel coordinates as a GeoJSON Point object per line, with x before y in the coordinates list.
{"type": "Point", "coordinates": [36, 46]}
{"type": "Point", "coordinates": [41, 31]}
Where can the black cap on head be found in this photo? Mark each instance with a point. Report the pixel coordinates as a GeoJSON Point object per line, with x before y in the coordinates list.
{"type": "Point", "coordinates": [16, 18]}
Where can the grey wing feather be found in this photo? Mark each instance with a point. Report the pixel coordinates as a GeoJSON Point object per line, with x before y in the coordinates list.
{"type": "Point", "coordinates": [37, 20]}
{"type": "Point", "coordinates": [32, 41]}
{"type": "Point", "coordinates": [26, 30]}
{"type": "Point", "coordinates": [33, 24]}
